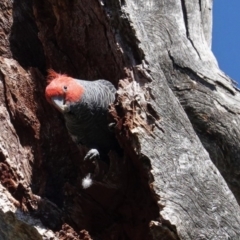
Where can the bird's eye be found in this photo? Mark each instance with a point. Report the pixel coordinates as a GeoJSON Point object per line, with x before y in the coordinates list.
{"type": "Point", "coordinates": [65, 88]}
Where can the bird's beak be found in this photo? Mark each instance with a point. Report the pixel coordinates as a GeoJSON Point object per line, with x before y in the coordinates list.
{"type": "Point", "coordinates": [59, 103]}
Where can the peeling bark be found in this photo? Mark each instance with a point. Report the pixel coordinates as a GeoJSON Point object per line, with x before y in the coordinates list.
{"type": "Point", "coordinates": [176, 118]}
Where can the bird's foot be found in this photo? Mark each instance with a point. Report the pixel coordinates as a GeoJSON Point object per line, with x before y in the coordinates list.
{"type": "Point", "coordinates": [111, 126]}
{"type": "Point", "coordinates": [92, 154]}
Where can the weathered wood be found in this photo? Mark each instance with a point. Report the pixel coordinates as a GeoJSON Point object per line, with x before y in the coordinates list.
{"type": "Point", "coordinates": [171, 92]}
{"type": "Point", "coordinates": [175, 42]}
{"type": "Point", "coordinates": [16, 224]}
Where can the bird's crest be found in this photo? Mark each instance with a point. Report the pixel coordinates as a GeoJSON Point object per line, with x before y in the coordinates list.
{"type": "Point", "coordinates": [53, 75]}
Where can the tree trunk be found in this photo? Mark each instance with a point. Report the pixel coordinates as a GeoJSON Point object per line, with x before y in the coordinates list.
{"type": "Point", "coordinates": [176, 117]}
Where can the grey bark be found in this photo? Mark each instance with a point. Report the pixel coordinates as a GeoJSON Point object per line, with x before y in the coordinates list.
{"type": "Point", "coordinates": [173, 43]}
{"type": "Point", "coordinates": [176, 118]}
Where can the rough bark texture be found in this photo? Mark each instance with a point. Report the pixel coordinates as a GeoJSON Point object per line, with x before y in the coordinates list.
{"type": "Point", "coordinates": [176, 114]}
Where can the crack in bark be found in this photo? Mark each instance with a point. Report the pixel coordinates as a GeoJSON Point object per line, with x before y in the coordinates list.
{"type": "Point", "coordinates": [185, 18]}
{"type": "Point", "coordinates": [194, 76]}
{"type": "Point", "coordinates": [191, 74]}
{"type": "Point", "coordinates": [200, 5]}
{"type": "Point", "coordinates": [225, 87]}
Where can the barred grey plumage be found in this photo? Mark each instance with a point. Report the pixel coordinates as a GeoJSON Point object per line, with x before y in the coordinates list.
{"type": "Point", "coordinates": [86, 120]}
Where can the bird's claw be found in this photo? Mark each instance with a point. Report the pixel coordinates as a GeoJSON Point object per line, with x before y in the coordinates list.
{"type": "Point", "coordinates": [111, 126]}
{"type": "Point", "coordinates": [91, 154]}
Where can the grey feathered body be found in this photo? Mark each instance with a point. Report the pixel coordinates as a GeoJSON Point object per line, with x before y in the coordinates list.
{"type": "Point", "coordinates": [87, 119]}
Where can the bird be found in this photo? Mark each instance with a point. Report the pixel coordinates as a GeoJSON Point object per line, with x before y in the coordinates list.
{"type": "Point", "coordinates": [84, 105]}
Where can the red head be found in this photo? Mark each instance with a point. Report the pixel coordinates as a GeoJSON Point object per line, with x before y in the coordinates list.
{"type": "Point", "coordinates": [62, 90]}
